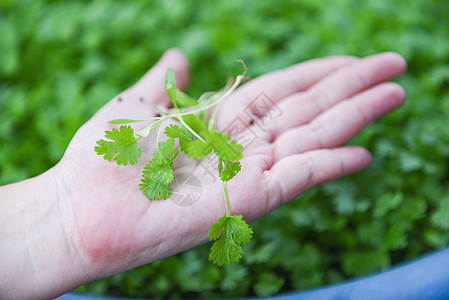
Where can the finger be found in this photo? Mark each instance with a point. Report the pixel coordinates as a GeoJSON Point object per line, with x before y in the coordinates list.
{"type": "Point", "coordinates": [295, 174]}
{"type": "Point", "coordinates": [257, 96]}
{"type": "Point", "coordinates": [139, 101]}
{"type": "Point", "coordinates": [342, 122]}
{"type": "Point", "coordinates": [300, 108]}
{"type": "Point", "coordinates": [151, 87]}
{"type": "Point", "coordinates": [354, 78]}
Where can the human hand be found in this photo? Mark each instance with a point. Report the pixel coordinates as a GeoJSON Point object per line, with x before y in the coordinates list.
{"type": "Point", "coordinates": [290, 153]}
{"type": "Point", "coordinates": [113, 227]}
{"type": "Point", "coordinates": [324, 103]}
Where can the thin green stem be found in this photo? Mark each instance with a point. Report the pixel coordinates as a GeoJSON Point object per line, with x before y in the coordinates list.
{"type": "Point", "coordinates": [213, 118]}
{"type": "Point", "coordinates": [127, 121]}
{"type": "Point", "coordinates": [176, 154]}
{"type": "Point", "coordinates": [225, 95]}
{"type": "Point", "coordinates": [190, 129]}
{"type": "Point", "coordinates": [228, 212]}
{"type": "Point", "coordinates": [157, 137]}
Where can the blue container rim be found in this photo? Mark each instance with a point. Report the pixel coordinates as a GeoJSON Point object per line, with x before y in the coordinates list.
{"type": "Point", "coordinates": [423, 278]}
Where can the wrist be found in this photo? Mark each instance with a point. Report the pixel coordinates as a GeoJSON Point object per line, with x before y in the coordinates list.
{"type": "Point", "coordinates": [37, 242]}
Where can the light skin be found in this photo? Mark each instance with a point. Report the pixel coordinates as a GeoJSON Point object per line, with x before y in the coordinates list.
{"type": "Point", "coordinates": [86, 218]}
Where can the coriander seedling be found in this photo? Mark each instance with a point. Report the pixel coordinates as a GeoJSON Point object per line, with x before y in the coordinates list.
{"type": "Point", "coordinates": [197, 138]}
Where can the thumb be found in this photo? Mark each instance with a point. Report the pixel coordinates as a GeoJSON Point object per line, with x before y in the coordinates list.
{"type": "Point", "coordinates": [151, 87]}
{"type": "Point", "coordinates": [138, 101]}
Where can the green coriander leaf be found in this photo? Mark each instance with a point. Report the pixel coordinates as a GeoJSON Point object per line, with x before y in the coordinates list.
{"type": "Point", "coordinates": [226, 151]}
{"type": "Point", "coordinates": [184, 100]}
{"type": "Point", "coordinates": [170, 85]}
{"type": "Point", "coordinates": [122, 149]}
{"type": "Point", "coordinates": [194, 122]}
{"type": "Point", "coordinates": [228, 169]}
{"type": "Point", "coordinates": [187, 132]}
{"type": "Point", "coordinates": [158, 174]}
{"type": "Point", "coordinates": [202, 115]}
{"type": "Point", "coordinates": [185, 139]}
{"type": "Point", "coordinates": [123, 121]}
{"type": "Point", "coordinates": [166, 150]}
{"type": "Point", "coordinates": [219, 143]}
{"type": "Point", "coordinates": [175, 131]}
{"type": "Point", "coordinates": [199, 149]}
{"type": "Point", "coordinates": [156, 188]}
{"type": "Point", "coordinates": [234, 231]}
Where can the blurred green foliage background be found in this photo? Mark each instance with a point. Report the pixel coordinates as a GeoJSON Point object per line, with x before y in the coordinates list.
{"type": "Point", "coordinates": [60, 61]}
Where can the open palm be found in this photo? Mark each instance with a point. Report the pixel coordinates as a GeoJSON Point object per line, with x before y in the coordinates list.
{"type": "Point", "coordinates": [292, 124]}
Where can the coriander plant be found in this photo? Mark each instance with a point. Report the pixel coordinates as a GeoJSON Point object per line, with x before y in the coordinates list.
{"type": "Point", "coordinates": [197, 138]}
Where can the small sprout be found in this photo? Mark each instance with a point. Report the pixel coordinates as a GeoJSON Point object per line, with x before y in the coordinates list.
{"type": "Point", "coordinates": [197, 138]}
